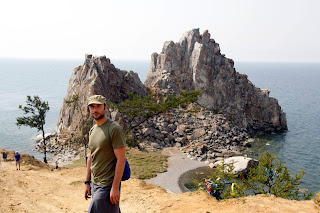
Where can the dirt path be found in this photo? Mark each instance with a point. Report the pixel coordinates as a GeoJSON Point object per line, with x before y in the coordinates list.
{"type": "Point", "coordinates": [29, 190]}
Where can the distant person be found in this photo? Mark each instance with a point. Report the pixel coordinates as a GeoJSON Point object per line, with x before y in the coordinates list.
{"type": "Point", "coordinates": [106, 159]}
{"type": "Point", "coordinates": [17, 157]}
{"type": "Point", "coordinates": [57, 164]}
{"type": "Point", "coordinates": [4, 155]}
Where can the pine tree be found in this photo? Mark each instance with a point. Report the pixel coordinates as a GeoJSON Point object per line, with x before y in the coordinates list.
{"type": "Point", "coordinates": [139, 109]}
{"type": "Point", "coordinates": [274, 178]}
{"type": "Point", "coordinates": [38, 110]}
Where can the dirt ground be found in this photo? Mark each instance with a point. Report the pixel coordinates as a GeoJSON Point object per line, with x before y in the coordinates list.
{"type": "Point", "coordinates": [38, 188]}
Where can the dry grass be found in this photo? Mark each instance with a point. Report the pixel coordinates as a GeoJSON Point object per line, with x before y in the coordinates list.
{"type": "Point", "coordinates": [76, 163]}
{"type": "Point", "coordinates": [317, 199]}
{"type": "Point", "coordinates": [145, 165]}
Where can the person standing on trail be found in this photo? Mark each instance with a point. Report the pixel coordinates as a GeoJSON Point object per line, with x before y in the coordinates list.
{"type": "Point", "coordinates": [106, 159]}
{"type": "Point", "coordinates": [17, 157]}
{"type": "Point", "coordinates": [4, 155]}
{"type": "Point", "coordinates": [57, 164]}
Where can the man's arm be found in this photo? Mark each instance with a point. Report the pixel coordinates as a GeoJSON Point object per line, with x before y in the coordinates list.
{"type": "Point", "coordinates": [121, 161]}
{"type": "Point", "coordinates": [88, 177]}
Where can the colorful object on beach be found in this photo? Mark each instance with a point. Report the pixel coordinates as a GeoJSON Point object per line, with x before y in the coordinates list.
{"type": "Point", "coordinates": [214, 188]}
{"type": "Point", "coordinates": [271, 176]}
{"type": "Point", "coordinates": [232, 189]}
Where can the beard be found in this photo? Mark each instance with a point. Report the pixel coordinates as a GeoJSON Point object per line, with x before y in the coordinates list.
{"type": "Point", "coordinates": [100, 116]}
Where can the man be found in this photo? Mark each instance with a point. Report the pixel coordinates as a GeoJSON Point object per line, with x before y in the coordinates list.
{"type": "Point", "coordinates": [17, 157]}
{"type": "Point", "coordinates": [106, 159]}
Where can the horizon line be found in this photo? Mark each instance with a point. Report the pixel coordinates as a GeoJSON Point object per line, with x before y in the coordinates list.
{"type": "Point", "coordinates": [131, 59]}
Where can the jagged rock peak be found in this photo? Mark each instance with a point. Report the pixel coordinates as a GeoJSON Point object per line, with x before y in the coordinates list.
{"type": "Point", "coordinates": [99, 76]}
{"type": "Point", "coordinates": [196, 62]}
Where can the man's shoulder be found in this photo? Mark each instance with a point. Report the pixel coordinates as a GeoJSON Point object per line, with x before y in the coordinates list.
{"type": "Point", "coordinates": [115, 125]}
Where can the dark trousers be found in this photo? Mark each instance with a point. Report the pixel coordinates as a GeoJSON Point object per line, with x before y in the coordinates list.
{"type": "Point", "coordinates": [101, 200]}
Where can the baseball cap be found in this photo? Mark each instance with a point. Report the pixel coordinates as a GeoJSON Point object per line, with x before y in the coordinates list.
{"type": "Point", "coordinates": [97, 99]}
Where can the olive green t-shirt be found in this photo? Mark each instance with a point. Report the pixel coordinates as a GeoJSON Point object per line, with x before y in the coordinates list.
{"type": "Point", "coordinates": [104, 161]}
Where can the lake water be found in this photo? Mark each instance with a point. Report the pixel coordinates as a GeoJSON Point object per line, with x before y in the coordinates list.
{"type": "Point", "coordinates": [295, 85]}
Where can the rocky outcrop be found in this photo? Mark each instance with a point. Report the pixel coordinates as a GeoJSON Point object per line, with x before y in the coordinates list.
{"type": "Point", "coordinates": [97, 76]}
{"type": "Point", "coordinates": [229, 111]}
{"type": "Point", "coordinates": [195, 62]}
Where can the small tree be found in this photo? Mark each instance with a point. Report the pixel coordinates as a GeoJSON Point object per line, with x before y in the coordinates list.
{"type": "Point", "coordinates": [271, 178]}
{"type": "Point", "coordinates": [138, 109]}
{"type": "Point", "coordinates": [38, 110]}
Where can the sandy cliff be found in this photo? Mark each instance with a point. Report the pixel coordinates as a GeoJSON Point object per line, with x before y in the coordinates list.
{"type": "Point", "coordinates": [36, 188]}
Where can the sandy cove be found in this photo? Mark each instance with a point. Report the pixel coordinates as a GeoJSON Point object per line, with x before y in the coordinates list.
{"type": "Point", "coordinates": [37, 188]}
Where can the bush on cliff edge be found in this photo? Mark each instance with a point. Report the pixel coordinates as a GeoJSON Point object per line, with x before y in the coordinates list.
{"type": "Point", "coordinates": [266, 178]}
{"type": "Point", "coordinates": [275, 178]}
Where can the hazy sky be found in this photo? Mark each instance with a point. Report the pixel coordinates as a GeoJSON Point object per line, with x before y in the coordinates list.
{"type": "Point", "coordinates": [248, 30]}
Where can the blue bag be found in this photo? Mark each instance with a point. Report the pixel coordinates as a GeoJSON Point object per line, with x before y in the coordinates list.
{"type": "Point", "coordinates": [126, 172]}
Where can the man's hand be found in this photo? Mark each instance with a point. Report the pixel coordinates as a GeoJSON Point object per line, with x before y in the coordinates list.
{"type": "Point", "coordinates": [114, 195]}
{"type": "Point", "coordinates": [87, 192]}
{"type": "Point", "coordinates": [120, 154]}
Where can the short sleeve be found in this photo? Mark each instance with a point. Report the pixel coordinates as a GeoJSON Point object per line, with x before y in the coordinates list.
{"type": "Point", "coordinates": [117, 137]}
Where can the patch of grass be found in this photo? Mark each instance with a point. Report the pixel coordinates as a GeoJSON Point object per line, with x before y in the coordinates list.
{"type": "Point", "coordinates": [192, 111]}
{"type": "Point", "coordinates": [317, 199]}
{"type": "Point", "coordinates": [76, 182]}
{"type": "Point", "coordinates": [145, 165]}
{"type": "Point", "coordinates": [190, 186]}
{"type": "Point", "coordinates": [76, 163]}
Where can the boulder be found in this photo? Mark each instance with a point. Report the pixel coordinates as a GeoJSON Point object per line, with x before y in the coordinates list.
{"type": "Point", "coordinates": [199, 132]}
{"type": "Point", "coordinates": [155, 145]}
{"type": "Point", "coordinates": [38, 138]}
{"type": "Point", "coordinates": [181, 128]}
{"type": "Point", "coordinates": [241, 164]}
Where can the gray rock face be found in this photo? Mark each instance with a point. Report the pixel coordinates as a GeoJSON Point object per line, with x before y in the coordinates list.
{"type": "Point", "coordinates": [96, 76]}
{"type": "Point", "coordinates": [195, 62]}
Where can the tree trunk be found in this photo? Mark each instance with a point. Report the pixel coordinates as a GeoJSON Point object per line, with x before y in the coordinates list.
{"type": "Point", "coordinates": [45, 147]}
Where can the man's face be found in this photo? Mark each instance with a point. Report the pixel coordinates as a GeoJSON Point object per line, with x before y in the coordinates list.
{"type": "Point", "coordinates": [97, 111]}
